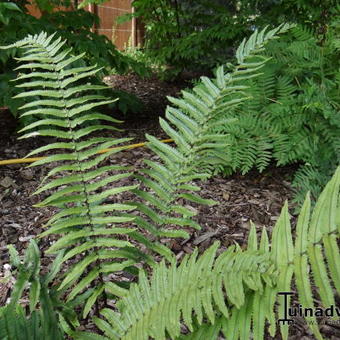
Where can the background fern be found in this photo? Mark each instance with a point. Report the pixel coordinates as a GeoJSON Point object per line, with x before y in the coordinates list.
{"type": "Point", "coordinates": [45, 306]}
{"type": "Point", "coordinates": [294, 114]}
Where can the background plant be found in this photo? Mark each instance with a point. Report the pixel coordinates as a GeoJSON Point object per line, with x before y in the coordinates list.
{"type": "Point", "coordinates": [294, 114]}
{"type": "Point", "coordinates": [188, 35]}
{"type": "Point", "coordinates": [198, 35]}
{"type": "Point", "coordinates": [37, 323]}
{"type": "Point", "coordinates": [75, 26]}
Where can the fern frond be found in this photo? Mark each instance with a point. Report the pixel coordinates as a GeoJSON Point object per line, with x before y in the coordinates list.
{"type": "Point", "coordinates": [205, 331]}
{"type": "Point", "coordinates": [82, 187]}
{"type": "Point", "coordinates": [178, 291]}
{"type": "Point", "coordinates": [191, 123]}
{"type": "Point", "coordinates": [239, 287]}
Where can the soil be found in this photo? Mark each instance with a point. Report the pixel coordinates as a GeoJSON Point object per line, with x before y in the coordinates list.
{"type": "Point", "coordinates": [241, 198]}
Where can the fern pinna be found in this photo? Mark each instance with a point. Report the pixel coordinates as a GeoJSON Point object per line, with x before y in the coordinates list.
{"type": "Point", "coordinates": [191, 123]}
{"type": "Point", "coordinates": [236, 291]}
{"type": "Point", "coordinates": [86, 224]}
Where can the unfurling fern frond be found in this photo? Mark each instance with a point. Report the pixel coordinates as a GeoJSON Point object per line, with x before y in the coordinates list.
{"type": "Point", "coordinates": [236, 291]}
{"type": "Point", "coordinates": [86, 224]}
{"type": "Point", "coordinates": [191, 123]}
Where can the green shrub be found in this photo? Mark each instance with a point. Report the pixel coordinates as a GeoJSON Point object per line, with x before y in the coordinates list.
{"type": "Point", "coordinates": [75, 27]}
{"type": "Point", "coordinates": [195, 36]}
{"type": "Point", "coordinates": [199, 35]}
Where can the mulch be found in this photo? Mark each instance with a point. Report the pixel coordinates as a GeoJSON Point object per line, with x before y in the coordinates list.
{"type": "Point", "coordinates": [241, 198]}
{"type": "Point", "coordinates": [151, 92]}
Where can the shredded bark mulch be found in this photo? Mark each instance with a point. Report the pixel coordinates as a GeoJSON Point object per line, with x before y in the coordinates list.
{"type": "Point", "coordinates": [152, 92]}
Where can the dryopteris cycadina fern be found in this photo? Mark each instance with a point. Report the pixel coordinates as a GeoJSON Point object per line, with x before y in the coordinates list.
{"type": "Point", "coordinates": [191, 124]}
{"type": "Point", "coordinates": [86, 224]}
{"type": "Point", "coordinates": [235, 292]}
{"type": "Point", "coordinates": [82, 224]}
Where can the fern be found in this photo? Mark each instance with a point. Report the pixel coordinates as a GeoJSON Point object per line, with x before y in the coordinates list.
{"type": "Point", "coordinates": [236, 291]}
{"type": "Point", "coordinates": [86, 224]}
{"type": "Point", "coordinates": [191, 123]}
{"type": "Point", "coordinates": [40, 322]}
{"type": "Point", "coordinates": [293, 115]}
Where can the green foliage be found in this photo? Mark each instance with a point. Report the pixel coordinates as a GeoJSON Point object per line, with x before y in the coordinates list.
{"type": "Point", "coordinates": [5, 9]}
{"type": "Point", "coordinates": [138, 55]}
{"type": "Point", "coordinates": [83, 225]}
{"type": "Point", "coordinates": [235, 292]}
{"type": "Point", "coordinates": [47, 6]}
{"type": "Point", "coordinates": [309, 13]}
{"type": "Point", "coordinates": [75, 27]}
{"type": "Point", "coordinates": [293, 116]}
{"type": "Point", "coordinates": [198, 35]}
{"type": "Point", "coordinates": [87, 224]}
{"type": "Point", "coordinates": [127, 102]}
{"type": "Point", "coordinates": [188, 35]}
{"type": "Point", "coordinates": [191, 123]}
{"type": "Point", "coordinates": [40, 322]}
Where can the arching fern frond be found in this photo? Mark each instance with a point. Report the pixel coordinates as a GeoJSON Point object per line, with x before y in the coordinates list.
{"type": "Point", "coordinates": [237, 289]}
{"type": "Point", "coordinates": [196, 285]}
{"type": "Point", "coordinates": [191, 122]}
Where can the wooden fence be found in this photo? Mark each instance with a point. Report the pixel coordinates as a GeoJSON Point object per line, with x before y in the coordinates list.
{"type": "Point", "coordinates": [128, 34]}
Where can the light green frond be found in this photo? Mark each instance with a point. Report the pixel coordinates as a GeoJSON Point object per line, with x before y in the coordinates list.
{"type": "Point", "coordinates": [87, 226]}
{"type": "Point", "coordinates": [235, 292]}
{"type": "Point", "coordinates": [176, 292]}
{"type": "Point", "coordinates": [198, 149]}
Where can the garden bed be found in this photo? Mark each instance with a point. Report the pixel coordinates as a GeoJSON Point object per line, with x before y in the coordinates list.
{"type": "Point", "coordinates": [241, 199]}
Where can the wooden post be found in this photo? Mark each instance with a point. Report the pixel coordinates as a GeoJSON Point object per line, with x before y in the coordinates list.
{"type": "Point", "coordinates": [133, 29]}
{"type": "Point", "coordinates": [92, 9]}
{"type": "Point", "coordinates": [140, 32]}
